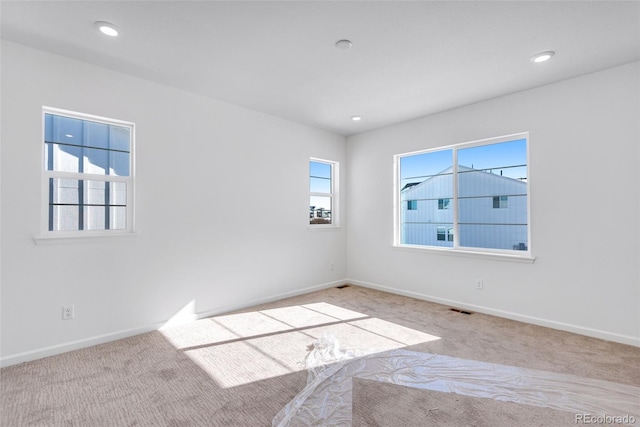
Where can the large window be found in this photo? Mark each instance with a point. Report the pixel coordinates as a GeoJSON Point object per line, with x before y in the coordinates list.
{"type": "Point", "coordinates": [481, 204]}
{"type": "Point", "coordinates": [87, 178]}
{"type": "Point", "coordinates": [322, 192]}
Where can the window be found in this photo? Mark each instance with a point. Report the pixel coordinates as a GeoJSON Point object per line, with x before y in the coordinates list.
{"type": "Point", "coordinates": [444, 234]}
{"type": "Point", "coordinates": [443, 203]}
{"type": "Point", "coordinates": [412, 205]}
{"type": "Point", "coordinates": [87, 175]}
{"type": "Point", "coordinates": [461, 208]}
{"type": "Point", "coordinates": [500, 202]}
{"type": "Point", "coordinates": [322, 192]}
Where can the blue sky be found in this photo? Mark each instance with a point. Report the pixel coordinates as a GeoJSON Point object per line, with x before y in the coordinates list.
{"type": "Point", "coordinates": [320, 182]}
{"type": "Point", "coordinates": [497, 157]}
{"type": "Point", "coordinates": [320, 177]}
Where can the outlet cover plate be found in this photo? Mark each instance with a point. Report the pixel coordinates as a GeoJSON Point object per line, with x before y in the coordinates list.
{"type": "Point", "coordinates": [67, 312]}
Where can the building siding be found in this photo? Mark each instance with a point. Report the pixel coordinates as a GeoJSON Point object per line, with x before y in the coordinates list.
{"type": "Point", "coordinates": [481, 224]}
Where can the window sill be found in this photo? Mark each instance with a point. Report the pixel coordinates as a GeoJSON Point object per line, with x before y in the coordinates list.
{"type": "Point", "coordinates": [526, 259]}
{"type": "Point", "coordinates": [89, 238]}
{"type": "Point", "coordinates": [324, 227]}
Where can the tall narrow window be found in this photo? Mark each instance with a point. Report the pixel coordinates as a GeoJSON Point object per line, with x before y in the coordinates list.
{"type": "Point", "coordinates": [322, 192]}
{"type": "Point", "coordinates": [480, 204]}
{"type": "Point", "coordinates": [87, 178]}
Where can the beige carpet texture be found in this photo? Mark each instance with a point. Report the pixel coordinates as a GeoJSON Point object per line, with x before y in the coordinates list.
{"type": "Point", "coordinates": [242, 368]}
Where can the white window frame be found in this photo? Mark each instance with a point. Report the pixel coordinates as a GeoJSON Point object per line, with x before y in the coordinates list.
{"type": "Point", "coordinates": [45, 233]}
{"type": "Point", "coordinates": [518, 255]}
{"type": "Point", "coordinates": [335, 166]}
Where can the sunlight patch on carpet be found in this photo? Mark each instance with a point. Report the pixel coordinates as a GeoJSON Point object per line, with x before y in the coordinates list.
{"type": "Point", "coordinates": [242, 348]}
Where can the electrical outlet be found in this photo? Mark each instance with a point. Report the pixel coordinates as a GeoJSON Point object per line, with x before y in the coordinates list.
{"type": "Point", "coordinates": [479, 284]}
{"type": "Point", "coordinates": [67, 312]}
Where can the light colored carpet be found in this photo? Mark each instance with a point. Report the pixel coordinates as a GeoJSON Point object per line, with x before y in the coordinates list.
{"type": "Point", "coordinates": [240, 369]}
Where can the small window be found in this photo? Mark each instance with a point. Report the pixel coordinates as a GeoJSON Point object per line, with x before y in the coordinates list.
{"type": "Point", "coordinates": [322, 192]}
{"type": "Point", "coordinates": [500, 202]}
{"type": "Point", "coordinates": [412, 205]}
{"type": "Point", "coordinates": [444, 234]}
{"type": "Point", "coordinates": [443, 203]}
{"type": "Point", "coordinates": [87, 174]}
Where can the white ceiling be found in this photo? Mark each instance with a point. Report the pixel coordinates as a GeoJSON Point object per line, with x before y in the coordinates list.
{"type": "Point", "coordinates": [409, 58]}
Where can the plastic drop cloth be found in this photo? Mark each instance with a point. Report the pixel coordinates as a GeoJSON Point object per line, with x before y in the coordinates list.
{"type": "Point", "coordinates": [326, 400]}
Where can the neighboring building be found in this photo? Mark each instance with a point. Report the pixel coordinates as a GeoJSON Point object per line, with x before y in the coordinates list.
{"type": "Point", "coordinates": [315, 212]}
{"type": "Point", "coordinates": [492, 210]}
{"type": "Point", "coordinates": [319, 215]}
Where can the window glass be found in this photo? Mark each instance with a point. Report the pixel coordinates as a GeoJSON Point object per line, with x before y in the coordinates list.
{"type": "Point", "coordinates": [321, 190]}
{"type": "Point", "coordinates": [82, 146]}
{"type": "Point", "coordinates": [444, 203]}
{"type": "Point", "coordinates": [88, 173]}
{"type": "Point", "coordinates": [486, 209]}
{"type": "Point", "coordinates": [426, 179]}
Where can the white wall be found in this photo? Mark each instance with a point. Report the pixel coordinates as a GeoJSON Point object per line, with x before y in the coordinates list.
{"type": "Point", "coordinates": [221, 210]}
{"type": "Point", "coordinates": [585, 210]}
{"type": "Point", "coordinates": [206, 170]}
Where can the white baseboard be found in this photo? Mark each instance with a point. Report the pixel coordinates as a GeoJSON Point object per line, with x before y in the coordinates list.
{"type": "Point", "coordinates": [40, 353]}
{"type": "Point", "coordinates": [271, 298]}
{"type": "Point", "coordinates": [101, 339]}
{"type": "Point", "coordinates": [595, 333]}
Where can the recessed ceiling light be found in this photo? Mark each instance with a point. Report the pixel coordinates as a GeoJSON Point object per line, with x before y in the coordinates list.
{"type": "Point", "coordinates": [356, 118]}
{"type": "Point", "coordinates": [542, 56]}
{"type": "Point", "coordinates": [344, 44]}
{"type": "Point", "coordinates": [107, 28]}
